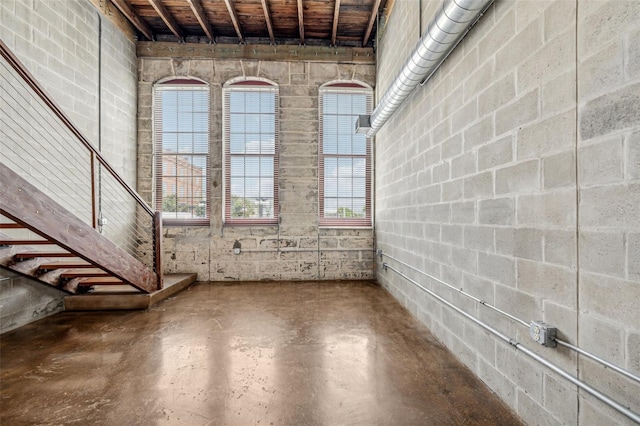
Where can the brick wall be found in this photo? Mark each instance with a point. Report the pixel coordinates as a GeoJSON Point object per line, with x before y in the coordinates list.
{"type": "Point", "coordinates": [297, 249]}
{"type": "Point", "coordinates": [523, 191]}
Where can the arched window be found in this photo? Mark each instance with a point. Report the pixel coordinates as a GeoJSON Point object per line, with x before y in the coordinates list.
{"type": "Point", "coordinates": [344, 156]}
{"type": "Point", "coordinates": [250, 109]}
{"type": "Point", "coordinates": [181, 151]}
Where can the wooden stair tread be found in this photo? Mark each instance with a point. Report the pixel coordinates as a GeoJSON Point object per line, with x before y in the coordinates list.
{"type": "Point", "coordinates": [52, 266]}
{"type": "Point", "coordinates": [83, 274]}
{"type": "Point", "coordinates": [11, 226]}
{"type": "Point", "coordinates": [101, 281]}
{"type": "Point", "coordinates": [31, 255]}
{"type": "Point", "coordinates": [4, 242]}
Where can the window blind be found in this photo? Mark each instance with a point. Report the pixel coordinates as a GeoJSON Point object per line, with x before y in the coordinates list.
{"type": "Point", "coordinates": [344, 157]}
{"type": "Point", "coordinates": [251, 153]}
{"type": "Point", "coordinates": [181, 152]}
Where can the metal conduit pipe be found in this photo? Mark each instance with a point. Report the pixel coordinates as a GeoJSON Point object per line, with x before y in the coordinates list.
{"type": "Point", "coordinates": [444, 32]}
{"type": "Point", "coordinates": [582, 385]}
{"type": "Point", "coordinates": [522, 322]}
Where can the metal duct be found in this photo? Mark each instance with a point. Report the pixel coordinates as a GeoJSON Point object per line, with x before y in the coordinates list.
{"type": "Point", "coordinates": [445, 31]}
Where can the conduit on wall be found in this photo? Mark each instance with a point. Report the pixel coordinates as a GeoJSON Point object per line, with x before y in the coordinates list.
{"type": "Point", "coordinates": [517, 345]}
{"type": "Point", "coordinates": [452, 22]}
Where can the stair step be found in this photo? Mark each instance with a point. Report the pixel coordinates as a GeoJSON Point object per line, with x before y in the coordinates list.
{"type": "Point", "coordinates": [101, 281]}
{"type": "Point", "coordinates": [83, 274]}
{"type": "Point", "coordinates": [11, 226]}
{"type": "Point", "coordinates": [25, 242]}
{"type": "Point", "coordinates": [54, 266]}
{"type": "Point", "coordinates": [31, 255]}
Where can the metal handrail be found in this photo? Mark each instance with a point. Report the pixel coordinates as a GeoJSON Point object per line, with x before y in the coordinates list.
{"type": "Point", "coordinates": [39, 90]}
{"type": "Point", "coordinates": [96, 161]}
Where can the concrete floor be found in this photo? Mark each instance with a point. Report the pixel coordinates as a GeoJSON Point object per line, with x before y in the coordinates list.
{"type": "Point", "coordinates": [325, 353]}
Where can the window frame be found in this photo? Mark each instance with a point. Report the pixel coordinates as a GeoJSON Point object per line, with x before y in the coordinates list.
{"type": "Point", "coordinates": [179, 83]}
{"type": "Point", "coordinates": [342, 87]}
{"type": "Point", "coordinates": [242, 84]}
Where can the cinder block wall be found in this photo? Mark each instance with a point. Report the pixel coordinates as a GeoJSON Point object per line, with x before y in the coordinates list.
{"type": "Point", "coordinates": [514, 175]}
{"type": "Point", "coordinates": [297, 249]}
{"type": "Point", "coordinates": [59, 44]}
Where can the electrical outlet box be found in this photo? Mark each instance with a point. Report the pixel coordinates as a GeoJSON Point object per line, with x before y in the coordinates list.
{"type": "Point", "coordinates": [543, 333]}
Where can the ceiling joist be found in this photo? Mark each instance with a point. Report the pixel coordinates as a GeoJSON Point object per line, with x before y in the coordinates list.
{"type": "Point", "coordinates": [336, 16]}
{"type": "Point", "coordinates": [134, 18]}
{"type": "Point", "coordinates": [197, 9]}
{"type": "Point", "coordinates": [301, 21]}
{"type": "Point", "coordinates": [372, 20]}
{"type": "Point", "coordinates": [267, 17]}
{"type": "Point", "coordinates": [234, 18]}
{"type": "Point", "coordinates": [167, 18]}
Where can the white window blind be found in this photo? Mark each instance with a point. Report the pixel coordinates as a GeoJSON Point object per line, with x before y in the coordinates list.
{"type": "Point", "coordinates": [345, 157]}
{"type": "Point", "coordinates": [251, 153]}
{"type": "Point", "coordinates": [181, 152]}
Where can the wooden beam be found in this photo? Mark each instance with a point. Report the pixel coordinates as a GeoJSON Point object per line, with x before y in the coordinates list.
{"type": "Point", "coordinates": [197, 9]}
{"type": "Point", "coordinates": [336, 15]}
{"type": "Point", "coordinates": [167, 18]}
{"type": "Point", "coordinates": [23, 203]}
{"type": "Point", "coordinates": [301, 21]}
{"type": "Point", "coordinates": [372, 19]}
{"type": "Point", "coordinates": [134, 18]}
{"type": "Point", "coordinates": [108, 10]}
{"type": "Point", "coordinates": [234, 18]}
{"type": "Point", "coordinates": [341, 54]}
{"type": "Point", "coordinates": [267, 17]}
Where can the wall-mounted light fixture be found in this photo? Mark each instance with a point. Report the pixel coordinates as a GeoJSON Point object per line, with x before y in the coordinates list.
{"type": "Point", "coordinates": [236, 247]}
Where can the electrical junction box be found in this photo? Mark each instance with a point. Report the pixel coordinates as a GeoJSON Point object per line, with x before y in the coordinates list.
{"type": "Point", "coordinates": [543, 333]}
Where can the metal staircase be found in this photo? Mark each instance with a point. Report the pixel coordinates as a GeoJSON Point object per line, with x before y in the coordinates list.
{"type": "Point", "coordinates": [55, 191]}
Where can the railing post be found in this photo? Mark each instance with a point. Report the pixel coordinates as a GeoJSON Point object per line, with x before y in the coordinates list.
{"type": "Point", "coordinates": [94, 215]}
{"type": "Point", "coordinates": [157, 245]}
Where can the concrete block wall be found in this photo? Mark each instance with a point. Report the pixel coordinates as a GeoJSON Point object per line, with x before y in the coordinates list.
{"type": "Point", "coordinates": [516, 180]}
{"type": "Point", "coordinates": [66, 48]}
{"type": "Point", "coordinates": [298, 248]}
{"type": "Point", "coordinates": [22, 301]}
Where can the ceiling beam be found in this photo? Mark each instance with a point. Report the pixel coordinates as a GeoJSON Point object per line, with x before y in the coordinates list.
{"type": "Point", "coordinates": [134, 18]}
{"type": "Point", "coordinates": [372, 19]}
{"type": "Point", "coordinates": [301, 21]}
{"type": "Point", "coordinates": [336, 15]}
{"type": "Point", "coordinates": [267, 17]}
{"type": "Point", "coordinates": [167, 18]}
{"type": "Point", "coordinates": [234, 18]}
{"type": "Point", "coordinates": [281, 52]}
{"type": "Point", "coordinates": [197, 9]}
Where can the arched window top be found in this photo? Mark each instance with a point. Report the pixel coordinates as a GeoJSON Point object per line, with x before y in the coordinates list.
{"type": "Point", "coordinates": [181, 81]}
{"type": "Point", "coordinates": [345, 85]}
{"type": "Point", "coordinates": [249, 82]}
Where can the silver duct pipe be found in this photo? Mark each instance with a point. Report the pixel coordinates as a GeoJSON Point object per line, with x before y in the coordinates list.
{"type": "Point", "coordinates": [445, 31]}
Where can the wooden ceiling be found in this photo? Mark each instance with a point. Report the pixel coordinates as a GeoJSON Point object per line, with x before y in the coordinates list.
{"type": "Point", "coordinates": [303, 22]}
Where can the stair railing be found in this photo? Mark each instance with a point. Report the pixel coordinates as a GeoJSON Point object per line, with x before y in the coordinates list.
{"type": "Point", "coordinates": [40, 143]}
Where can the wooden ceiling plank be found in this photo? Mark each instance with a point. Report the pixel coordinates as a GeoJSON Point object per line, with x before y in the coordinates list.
{"type": "Point", "coordinates": [267, 17]}
{"type": "Point", "coordinates": [334, 31]}
{"type": "Point", "coordinates": [234, 18]}
{"type": "Point", "coordinates": [134, 18]}
{"type": "Point", "coordinates": [372, 19]}
{"type": "Point", "coordinates": [197, 9]}
{"type": "Point", "coordinates": [301, 21]}
{"type": "Point", "coordinates": [167, 18]}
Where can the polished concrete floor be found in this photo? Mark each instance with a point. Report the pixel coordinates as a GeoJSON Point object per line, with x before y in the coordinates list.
{"type": "Point", "coordinates": [326, 353]}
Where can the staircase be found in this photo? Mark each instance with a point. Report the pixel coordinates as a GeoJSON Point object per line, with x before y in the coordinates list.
{"type": "Point", "coordinates": [51, 221]}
